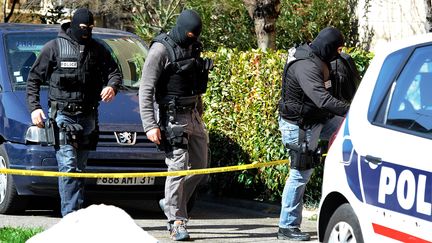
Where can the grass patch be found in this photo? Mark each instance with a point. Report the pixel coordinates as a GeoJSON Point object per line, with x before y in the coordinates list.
{"type": "Point", "coordinates": [17, 235]}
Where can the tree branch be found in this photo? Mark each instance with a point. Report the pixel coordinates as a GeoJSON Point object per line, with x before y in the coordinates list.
{"type": "Point", "coordinates": [9, 15]}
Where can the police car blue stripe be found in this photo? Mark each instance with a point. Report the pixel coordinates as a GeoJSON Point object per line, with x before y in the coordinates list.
{"type": "Point", "coordinates": [350, 159]}
{"type": "Point", "coordinates": [398, 188]}
{"type": "Point", "coordinates": [387, 185]}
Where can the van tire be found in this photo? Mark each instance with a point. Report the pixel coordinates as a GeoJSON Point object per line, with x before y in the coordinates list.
{"type": "Point", "coordinates": [10, 201]}
{"type": "Point", "coordinates": [344, 216]}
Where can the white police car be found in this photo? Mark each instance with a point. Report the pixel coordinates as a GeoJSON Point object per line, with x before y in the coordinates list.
{"type": "Point", "coordinates": [377, 183]}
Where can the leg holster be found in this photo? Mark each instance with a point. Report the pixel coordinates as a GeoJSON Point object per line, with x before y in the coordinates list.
{"type": "Point", "coordinates": [176, 135]}
{"type": "Point", "coordinates": [302, 158]}
{"type": "Point", "coordinates": [173, 134]}
{"type": "Point", "coordinates": [71, 138]}
{"type": "Point", "coordinates": [51, 133]}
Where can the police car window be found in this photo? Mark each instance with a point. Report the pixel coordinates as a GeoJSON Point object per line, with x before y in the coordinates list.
{"type": "Point", "coordinates": [410, 105]}
{"type": "Point", "coordinates": [129, 54]}
{"type": "Point", "coordinates": [21, 52]}
{"type": "Point", "coordinates": [386, 77]}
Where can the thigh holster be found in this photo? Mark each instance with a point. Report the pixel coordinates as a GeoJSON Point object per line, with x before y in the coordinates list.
{"type": "Point", "coordinates": [71, 134]}
{"type": "Point", "coordinates": [176, 135]}
{"type": "Point", "coordinates": [301, 157]}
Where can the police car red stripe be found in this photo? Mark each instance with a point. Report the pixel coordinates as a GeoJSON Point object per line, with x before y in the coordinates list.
{"type": "Point", "coordinates": [397, 235]}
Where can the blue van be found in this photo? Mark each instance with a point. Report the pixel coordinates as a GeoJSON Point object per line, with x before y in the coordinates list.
{"type": "Point", "coordinates": [122, 147]}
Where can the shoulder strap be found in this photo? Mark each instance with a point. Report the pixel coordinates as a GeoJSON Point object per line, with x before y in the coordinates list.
{"type": "Point", "coordinates": [290, 60]}
{"type": "Point", "coordinates": [169, 44]}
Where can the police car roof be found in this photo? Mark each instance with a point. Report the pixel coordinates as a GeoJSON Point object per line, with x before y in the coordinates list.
{"type": "Point", "coordinates": [394, 45]}
{"type": "Point", "coordinates": [30, 28]}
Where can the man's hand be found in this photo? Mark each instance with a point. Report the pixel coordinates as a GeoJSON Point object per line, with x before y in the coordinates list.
{"type": "Point", "coordinates": [38, 117]}
{"type": "Point", "coordinates": [154, 135]}
{"type": "Point", "coordinates": [107, 94]}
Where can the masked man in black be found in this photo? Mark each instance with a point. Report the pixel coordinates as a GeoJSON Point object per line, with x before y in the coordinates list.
{"type": "Point", "coordinates": [76, 68]}
{"type": "Point", "coordinates": [174, 76]}
{"type": "Point", "coordinates": [307, 112]}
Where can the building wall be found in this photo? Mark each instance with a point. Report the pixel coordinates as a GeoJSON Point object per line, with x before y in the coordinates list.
{"type": "Point", "coordinates": [391, 20]}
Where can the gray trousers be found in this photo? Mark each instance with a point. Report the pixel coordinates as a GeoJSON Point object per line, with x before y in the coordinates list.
{"type": "Point", "coordinates": [179, 189]}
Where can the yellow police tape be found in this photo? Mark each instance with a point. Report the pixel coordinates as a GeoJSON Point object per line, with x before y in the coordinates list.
{"type": "Point", "coordinates": [141, 174]}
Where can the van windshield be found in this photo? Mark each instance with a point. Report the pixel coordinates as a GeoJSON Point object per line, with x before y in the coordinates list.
{"type": "Point", "coordinates": [23, 49]}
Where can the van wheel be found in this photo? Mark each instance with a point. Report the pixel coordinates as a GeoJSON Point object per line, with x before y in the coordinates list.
{"type": "Point", "coordinates": [343, 226]}
{"type": "Point", "coordinates": [10, 201]}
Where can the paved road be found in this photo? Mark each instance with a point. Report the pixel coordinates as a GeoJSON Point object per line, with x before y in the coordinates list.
{"type": "Point", "coordinates": [211, 221]}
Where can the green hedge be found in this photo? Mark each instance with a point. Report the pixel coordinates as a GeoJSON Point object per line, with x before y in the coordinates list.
{"type": "Point", "coordinates": [227, 23]}
{"type": "Point", "coordinates": [241, 116]}
{"type": "Point", "coordinates": [301, 20]}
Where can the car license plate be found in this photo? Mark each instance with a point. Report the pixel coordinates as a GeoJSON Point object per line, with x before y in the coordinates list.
{"type": "Point", "coordinates": [126, 181]}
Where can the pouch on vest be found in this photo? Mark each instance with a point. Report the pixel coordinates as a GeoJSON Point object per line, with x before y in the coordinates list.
{"type": "Point", "coordinates": [204, 66]}
{"type": "Point", "coordinates": [183, 66]}
{"type": "Point", "coordinates": [68, 81]}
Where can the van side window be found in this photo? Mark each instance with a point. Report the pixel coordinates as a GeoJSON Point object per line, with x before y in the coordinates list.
{"type": "Point", "coordinates": [410, 102]}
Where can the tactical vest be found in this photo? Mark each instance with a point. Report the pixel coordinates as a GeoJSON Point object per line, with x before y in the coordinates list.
{"type": "Point", "coordinates": [77, 78]}
{"type": "Point", "coordinates": [181, 77]}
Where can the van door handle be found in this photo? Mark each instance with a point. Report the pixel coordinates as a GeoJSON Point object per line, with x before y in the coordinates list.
{"type": "Point", "coordinates": [373, 160]}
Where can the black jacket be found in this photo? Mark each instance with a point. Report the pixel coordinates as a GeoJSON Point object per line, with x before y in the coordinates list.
{"type": "Point", "coordinates": [46, 64]}
{"type": "Point", "coordinates": [305, 99]}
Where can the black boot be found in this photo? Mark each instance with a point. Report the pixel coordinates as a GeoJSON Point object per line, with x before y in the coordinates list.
{"type": "Point", "coordinates": [292, 234]}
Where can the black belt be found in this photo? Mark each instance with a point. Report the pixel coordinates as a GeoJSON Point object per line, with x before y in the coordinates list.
{"type": "Point", "coordinates": [180, 101]}
{"type": "Point", "coordinates": [179, 108]}
{"type": "Point", "coordinates": [74, 107]}
{"type": "Point", "coordinates": [187, 103]}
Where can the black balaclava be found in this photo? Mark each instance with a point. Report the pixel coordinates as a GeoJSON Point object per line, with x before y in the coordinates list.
{"type": "Point", "coordinates": [187, 21]}
{"type": "Point", "coordinates": [325, 45]}
{"type": "Point", "coordinates": [81, 16]}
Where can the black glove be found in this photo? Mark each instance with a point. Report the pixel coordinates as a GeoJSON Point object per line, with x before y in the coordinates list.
{"type": "Point", "coordinates": [73, 128]}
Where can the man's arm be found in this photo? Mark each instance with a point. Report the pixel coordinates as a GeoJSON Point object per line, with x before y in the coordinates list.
{"type": "Point", "coordinates": [110, 74]}
{"type": "Point", "coordinates": [110, 70]}
{"type": "Point", "coordinates": [311, 80]}
{"type": "Point", "coordinates": [39, 73]}
{"type": "Point", "coordinates": [153, 67]}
